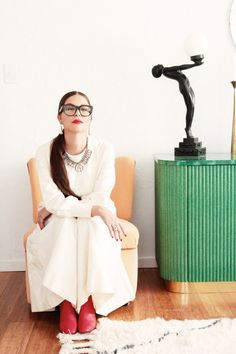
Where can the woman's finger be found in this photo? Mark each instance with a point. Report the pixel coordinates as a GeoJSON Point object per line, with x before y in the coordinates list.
{"type": "Point", "coordinates": [119, 232]}
{"type": "Point", "coordinates": [116, 231]}
{"type": "Point", "coordinates": [111, 230]}
{"type": "Point", "coordinates": [122, 229]}
{"type": "Point", "coordinates": [41, 224]}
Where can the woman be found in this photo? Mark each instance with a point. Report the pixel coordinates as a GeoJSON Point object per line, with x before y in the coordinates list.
{"type": "Point", "coordinates": [74, 253]}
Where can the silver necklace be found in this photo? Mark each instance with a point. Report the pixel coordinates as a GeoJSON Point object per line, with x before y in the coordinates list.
{"type": "Point", "coordinates": [78, 166]}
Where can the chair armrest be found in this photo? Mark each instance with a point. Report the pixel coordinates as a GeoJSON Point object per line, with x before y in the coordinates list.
{"type": "Point", "coordinates": [28, 233]}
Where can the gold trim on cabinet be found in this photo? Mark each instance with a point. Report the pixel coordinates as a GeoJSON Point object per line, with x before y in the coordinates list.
{"type": "Point", "coordinates": [200, 287]}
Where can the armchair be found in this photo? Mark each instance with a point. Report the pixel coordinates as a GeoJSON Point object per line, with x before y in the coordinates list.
{"type": "Point", "coordinates": [122, 195]}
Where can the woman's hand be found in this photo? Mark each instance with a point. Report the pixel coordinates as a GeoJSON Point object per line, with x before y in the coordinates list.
{"type": "Point", "coordinates": [43, 214]}
{"type": "Point", "coordinates": [112, 222]}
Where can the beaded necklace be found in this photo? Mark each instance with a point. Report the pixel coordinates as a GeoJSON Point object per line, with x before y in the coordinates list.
{"type": "Point", "coordinates": [78, 166]}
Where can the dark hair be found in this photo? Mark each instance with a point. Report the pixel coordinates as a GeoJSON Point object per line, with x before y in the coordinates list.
{"type": "Point", "coordinates": [58, 169]}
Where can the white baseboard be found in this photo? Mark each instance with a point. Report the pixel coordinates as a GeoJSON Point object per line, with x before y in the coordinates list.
{"type": "Point", "coordinates": [19, 265]}
{"type": "Point", "coordinates": [12, 266]}
{"type": "Point", "coordinates": [147, 262]}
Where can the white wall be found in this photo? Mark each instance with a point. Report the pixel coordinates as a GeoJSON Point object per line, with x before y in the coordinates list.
{"type": "Point", "coordinates": [106, 49]}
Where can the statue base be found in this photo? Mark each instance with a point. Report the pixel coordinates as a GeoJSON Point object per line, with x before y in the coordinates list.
{"type": "Point", "coordinates": [190, 147]}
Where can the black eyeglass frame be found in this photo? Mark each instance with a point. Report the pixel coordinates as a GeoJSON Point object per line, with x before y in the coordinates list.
{"type": "Point", "coordinates": [78, 108]}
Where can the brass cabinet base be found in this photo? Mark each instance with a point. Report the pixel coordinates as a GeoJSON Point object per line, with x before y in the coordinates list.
{"type": "Point", "coordinates": [200, 287]}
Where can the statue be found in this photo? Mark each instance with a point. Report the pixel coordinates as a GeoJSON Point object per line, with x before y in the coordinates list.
{"type": "Point", "coordinates": [189, 146]}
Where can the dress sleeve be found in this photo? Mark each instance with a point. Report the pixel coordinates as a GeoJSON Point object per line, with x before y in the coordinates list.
{"type": "Point", "coordinates": [105, 179]}
{"type": "Point", "coordinates": [53, 199]}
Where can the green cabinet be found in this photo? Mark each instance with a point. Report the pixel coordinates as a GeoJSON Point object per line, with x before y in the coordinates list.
{"type": "Point", "coordinates": [195, 218]}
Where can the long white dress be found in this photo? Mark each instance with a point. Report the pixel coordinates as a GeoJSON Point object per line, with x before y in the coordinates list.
{"type": "Point", "coordinates": [74, 256]}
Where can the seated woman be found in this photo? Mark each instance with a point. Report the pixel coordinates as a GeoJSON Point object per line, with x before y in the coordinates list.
{"type": "Point", "coordinates": [74, 253]}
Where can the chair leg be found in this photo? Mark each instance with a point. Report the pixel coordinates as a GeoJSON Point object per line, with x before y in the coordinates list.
{"type": "Point", "coordinates": [27, 281]}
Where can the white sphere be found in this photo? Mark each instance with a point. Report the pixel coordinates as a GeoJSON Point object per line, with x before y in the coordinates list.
{"type": "Point", "coordinates": [196, 44]}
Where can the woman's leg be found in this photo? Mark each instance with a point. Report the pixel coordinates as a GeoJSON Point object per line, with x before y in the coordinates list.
{"type": "Point", "coordinates": [51, 258]}
{"type": "Point", "coordinates": [100, 271]}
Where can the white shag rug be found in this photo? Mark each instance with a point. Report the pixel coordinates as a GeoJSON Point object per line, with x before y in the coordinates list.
{"type": "Point", "coordinates": [154, 336]}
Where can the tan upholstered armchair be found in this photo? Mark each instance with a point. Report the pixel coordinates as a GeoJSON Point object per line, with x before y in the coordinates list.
{"type": "Point", "coordinates": [122, 195]}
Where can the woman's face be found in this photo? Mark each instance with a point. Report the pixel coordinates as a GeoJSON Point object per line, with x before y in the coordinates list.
{"type": "Point", "coordinates": [76, 123]}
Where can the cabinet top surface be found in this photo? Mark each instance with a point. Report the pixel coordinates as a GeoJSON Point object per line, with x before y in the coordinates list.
{"type": "Point", "coordinates": [209, 159]}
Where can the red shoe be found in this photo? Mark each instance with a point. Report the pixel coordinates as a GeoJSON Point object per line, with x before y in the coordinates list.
{"type": "Point", "coordinates": [87, 317]}
{"type": "Point", "coordinates": [68, 319]}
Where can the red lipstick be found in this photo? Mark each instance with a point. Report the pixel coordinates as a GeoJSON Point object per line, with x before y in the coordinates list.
{"type": "Point", "coordinates": [77, 121]}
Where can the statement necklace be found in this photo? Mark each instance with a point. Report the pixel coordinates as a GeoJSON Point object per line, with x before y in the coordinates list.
{"type": "Point", "coordinates": [78, 166]}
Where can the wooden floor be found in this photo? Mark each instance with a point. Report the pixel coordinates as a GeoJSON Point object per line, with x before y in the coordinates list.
{"type": "Point", "coordinates": [23, 332]}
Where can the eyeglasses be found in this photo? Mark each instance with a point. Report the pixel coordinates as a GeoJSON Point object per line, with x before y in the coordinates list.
{"type": "Point", "coordinates": [70, 110]}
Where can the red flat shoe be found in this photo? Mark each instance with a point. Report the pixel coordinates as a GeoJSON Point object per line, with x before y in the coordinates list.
{"type": "Point", "coordinates": [68, 319]}
{"type": "Point", "coordinates": [87, 317]}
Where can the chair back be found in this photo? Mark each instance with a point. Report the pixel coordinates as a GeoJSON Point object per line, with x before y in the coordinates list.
{"type": "Point", "coordinates": [122, 193]}
{"type": "Point", "coordinates": [36, 194]}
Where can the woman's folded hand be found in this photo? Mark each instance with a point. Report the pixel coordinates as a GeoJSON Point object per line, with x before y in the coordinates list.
{"type": "Point", "coordinates": [111, 220]}
{"type": "Point", "coordinates": [43, 215]}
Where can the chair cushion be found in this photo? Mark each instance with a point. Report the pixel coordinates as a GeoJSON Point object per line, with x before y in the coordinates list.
{"type": "Point", "coordinates": [131, 241]}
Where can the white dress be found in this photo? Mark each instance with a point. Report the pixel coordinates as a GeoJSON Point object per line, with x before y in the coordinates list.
{"type": "Point", "coordinates": [74, 256]}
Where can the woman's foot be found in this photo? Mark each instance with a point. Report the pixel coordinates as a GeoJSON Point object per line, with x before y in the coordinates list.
{"type": "Point", "coordinates": [68, 319]}
{"type": "Point", "coordinates": [87, 317]}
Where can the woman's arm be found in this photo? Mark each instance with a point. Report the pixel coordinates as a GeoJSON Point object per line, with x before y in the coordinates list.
{"type": "Point", "coordinates": [111, 221]}
{"type": "Point", "coordinates": [100, 197]}
{"type": "Point", "coordinates": [54, 200]}
{"type": "Point", "coordinates": [105, 177]}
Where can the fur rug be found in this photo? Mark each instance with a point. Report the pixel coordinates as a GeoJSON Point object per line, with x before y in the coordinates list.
{"type": "Point", "coordinates": [154, 336]}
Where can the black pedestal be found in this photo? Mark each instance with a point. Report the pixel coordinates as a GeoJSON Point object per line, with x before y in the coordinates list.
{"type": "Point", "coordinates": [190, 147]}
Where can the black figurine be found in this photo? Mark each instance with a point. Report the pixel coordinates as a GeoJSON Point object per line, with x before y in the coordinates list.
{"type": "Point", "coordinates": [190, 145]}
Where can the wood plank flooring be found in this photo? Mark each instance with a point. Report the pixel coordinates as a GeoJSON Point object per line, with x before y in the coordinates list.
{"type": "Point", "coordinates": [23, 332]}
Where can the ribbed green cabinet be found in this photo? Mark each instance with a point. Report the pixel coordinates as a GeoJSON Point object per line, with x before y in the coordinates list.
{"type": "Point", "coordinates": [195, 211]}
